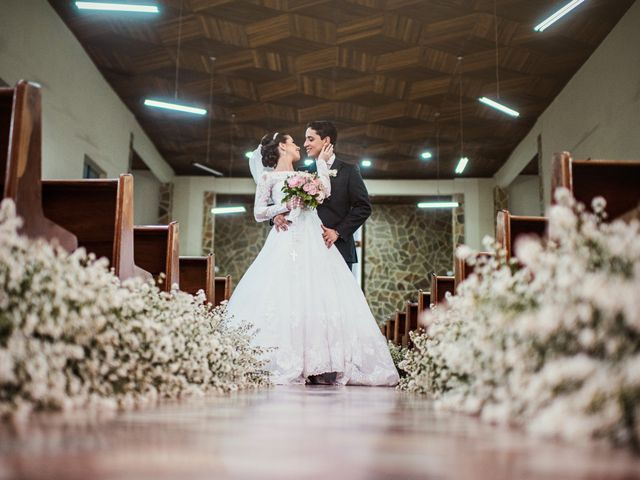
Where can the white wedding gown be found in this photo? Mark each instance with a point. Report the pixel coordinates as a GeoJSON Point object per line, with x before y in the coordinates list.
{"type": "Point", "coordinates": [303, 300]}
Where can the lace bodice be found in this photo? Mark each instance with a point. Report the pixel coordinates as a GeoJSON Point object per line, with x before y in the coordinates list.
{"type": "Point", "coordinates": [269, 195]}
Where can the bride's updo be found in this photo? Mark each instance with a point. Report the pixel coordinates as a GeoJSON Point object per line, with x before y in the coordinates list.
{"type": "Point", "coordinates": [269, 148]}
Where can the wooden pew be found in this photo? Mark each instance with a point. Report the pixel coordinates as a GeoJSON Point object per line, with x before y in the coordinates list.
{"type": "Point", "coordinates": [223, 287]}
{"type": "Point", "coordinates": [617, 181]}
{"type": "Point", "coordinates": [391, 328]}
{"type": "Point", "coordinates": [411, 322]}
{"type": "Point", "coordinates": [157, 251]}
{"type": "Point", "coordinates": [398, 328]}
{"type": "Point", "coordinates": [21, 162]}
{"type": "Point", "coordinates": [463, 269]}
{"type": "Point", "coordinates": [510, 227]}
{"type": "Point", "coordinates": [440, 285]}
{"type": "Point", "coordinates": [424, 301]}
{"type": "Point", "coordinates": [198, 273]}
{"type": "Point", "coordinates": [100, 214]}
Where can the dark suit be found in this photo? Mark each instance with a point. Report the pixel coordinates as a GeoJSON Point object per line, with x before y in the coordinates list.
{"type": "Point", "coordinates": [347, 208]}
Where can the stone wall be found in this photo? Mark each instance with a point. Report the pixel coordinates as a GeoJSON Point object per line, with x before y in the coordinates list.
{"type": "Point", "coordinates": [403, 245]}
{"type": "Point", "coordinates": [166, 203]}
{"type": "Point", "coordinates": [237, 241]}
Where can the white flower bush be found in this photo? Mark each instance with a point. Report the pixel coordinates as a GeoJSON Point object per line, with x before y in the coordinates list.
{"type": "Point", "coordinates": [72, 335]}
{"type": "Point", "coordinates": [551, 341]}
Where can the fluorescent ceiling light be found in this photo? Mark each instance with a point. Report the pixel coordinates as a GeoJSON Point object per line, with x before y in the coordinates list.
{"type": "Point", "coordinates": [557, 16]}
{"type": "Point", "coordinates": [499, 106]}
{"type": "Point", "coordinates": [223, 210]}
{"type": "Point", "coordinates": [461, 165]}
{"type": "Point", "coordinates": [248, 154]}
{"type": "Point", "coordinates": [174, 106]}
{"type": "Point", "coordinates": [117, 7]}
{"type": "Point", "coordinates": [426, 155]}
{"type": "Point", "coordinates": [308, 162]}
{"type": "Point", "coordinates": [365, 163]}
{"type": "Point", "coordinates": [438, 204]}
{"type": "Point", "coordinates": [207, 169]}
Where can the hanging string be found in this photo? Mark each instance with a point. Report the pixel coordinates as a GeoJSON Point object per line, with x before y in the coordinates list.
{"type": "Point", "coordinates": [495, 23]}
{"type": "Point", "coordinates": [175, 93]}
{"type": "Point", "coordinates": [438, 155]}
{"type": "Point", "coordinates": [213, 59]}
{"type": "Point", "coordinates": [460, 108]}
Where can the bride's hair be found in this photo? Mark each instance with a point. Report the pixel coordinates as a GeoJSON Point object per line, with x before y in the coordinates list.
{"type": "Point", "coordinates": [269, 148]}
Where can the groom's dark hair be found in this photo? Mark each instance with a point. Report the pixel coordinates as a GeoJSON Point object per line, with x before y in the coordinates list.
{"type": "Point", "coordinates": [325, 129]}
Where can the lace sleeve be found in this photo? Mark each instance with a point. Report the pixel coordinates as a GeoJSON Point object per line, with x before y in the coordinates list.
{"type": "Point", "coordinates": [323, 175]}
{"type": "Point", "coordinates": [262, 211]}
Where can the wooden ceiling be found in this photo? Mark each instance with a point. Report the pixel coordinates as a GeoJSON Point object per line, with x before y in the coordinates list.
{"type": "Point", "coordinates": [385, 71]}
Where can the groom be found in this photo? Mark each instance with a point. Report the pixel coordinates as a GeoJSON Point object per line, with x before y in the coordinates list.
{"type": "Point", "coordinates": [348, 206]}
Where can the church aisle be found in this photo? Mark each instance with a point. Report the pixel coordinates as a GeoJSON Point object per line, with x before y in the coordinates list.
{"type": "Point", "coordinates": [318, 432]}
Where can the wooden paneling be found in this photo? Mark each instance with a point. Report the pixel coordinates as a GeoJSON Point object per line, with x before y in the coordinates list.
{"type": "Point", "coordinates": [384, 67]}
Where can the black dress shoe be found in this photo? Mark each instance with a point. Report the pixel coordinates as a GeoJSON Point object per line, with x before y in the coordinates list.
{"type": "Point", "coordinates": [312, 380]}
{"type": "Point", "coordinates": [330, 378]}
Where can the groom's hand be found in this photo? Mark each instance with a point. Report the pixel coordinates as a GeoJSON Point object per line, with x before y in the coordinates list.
{"type": "Point", "coordinates": [329, 235]}
{"type": "Point", "coordinates": [281, 222]}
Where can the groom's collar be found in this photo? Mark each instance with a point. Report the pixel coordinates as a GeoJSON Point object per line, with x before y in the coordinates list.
{"type": "Point", "coordinates": [331, 160]}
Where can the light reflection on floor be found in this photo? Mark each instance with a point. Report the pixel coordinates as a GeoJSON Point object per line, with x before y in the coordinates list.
{"type": "Point", "coordinates": [300, 433]}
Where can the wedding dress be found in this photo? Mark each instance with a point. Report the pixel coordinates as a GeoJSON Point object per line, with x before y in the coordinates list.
{"type": "Point", "coordinates": [304, 301]}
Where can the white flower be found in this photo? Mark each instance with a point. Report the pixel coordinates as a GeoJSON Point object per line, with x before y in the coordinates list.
{"type": "Point", "coordinates": [72, 335]}
{"type": "Point", "coordinates": [333, 172]}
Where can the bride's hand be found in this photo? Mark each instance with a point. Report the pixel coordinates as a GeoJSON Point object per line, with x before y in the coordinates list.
{"type": "Point", "coordinates": [326, 152]}
{"type": "Point", "coordinates": [295, 202]}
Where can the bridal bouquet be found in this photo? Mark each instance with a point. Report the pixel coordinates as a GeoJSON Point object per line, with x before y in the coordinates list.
{"type": "Point", "coordinates": [304, 187]}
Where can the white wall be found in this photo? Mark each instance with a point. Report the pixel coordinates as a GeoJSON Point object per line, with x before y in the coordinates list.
{"type": "Point", "coordinates": [597, 114]}
{"type": "Point", "coordinates": [146, 197]}
{"type": "Point", "coordinates": [524, 195]}
{"type": "Point", "coordinates": [188, 194]}
{"type": "Point", "coordinates": [81, 113]}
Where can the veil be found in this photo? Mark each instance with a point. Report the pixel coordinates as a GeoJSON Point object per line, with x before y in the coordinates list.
{"type": "Point", "coordinates": [256, 166]}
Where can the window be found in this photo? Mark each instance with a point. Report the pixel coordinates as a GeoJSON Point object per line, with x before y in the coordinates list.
{"type": "Point", "coordinates": [91, 170]}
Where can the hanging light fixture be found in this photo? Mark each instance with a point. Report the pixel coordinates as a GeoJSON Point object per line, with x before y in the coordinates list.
{"type": "Point", "coordinates": [488, 101]}
{"type": "Point", "coordinates": [117, 7]}
{"type": "Point", "coordinates": [175, 105]}
{"type": "Point", "coordinates": [438, 203]}
{"type": "Point", "coordinates": [230, 209]}
{"type": "Point", "coordinates": [462, 163]}
{"type": "Point", "coordinates": [206, 166]}
{"type": "Point", "coordinates": [542, 26]}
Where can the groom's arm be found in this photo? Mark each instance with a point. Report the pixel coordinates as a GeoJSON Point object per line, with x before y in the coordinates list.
{"type": "Point", "coordinates": [360, 207]}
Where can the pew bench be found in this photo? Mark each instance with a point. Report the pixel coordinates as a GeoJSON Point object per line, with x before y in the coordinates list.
{"type": "Point", "coordinates": [100, 214]}
{"type": "Point", "coordinates": [510, 227]}
{"type": "Point", "coordinates": [21, 162]}
{"type": "Point", "coordinates": [440, 285]}
{"type": "Point", "coordinates": [157, 252]}
{"type": "Point", "coordinates": [198, 273]}
{"type": "Point", "coordinates": [618, 181]}
{"type": "Point", "coordinates": [411, 322]}
{"type": "Point", "coordinates": [222, 288]}
{"type": "Point", "coordinates": [399, 328]}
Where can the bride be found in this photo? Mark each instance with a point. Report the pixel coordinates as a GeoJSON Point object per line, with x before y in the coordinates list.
{"type": "Point", "coordinates": [300, 295]}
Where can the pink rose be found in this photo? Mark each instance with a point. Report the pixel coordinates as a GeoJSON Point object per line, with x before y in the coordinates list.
{"type": "Point", "coordinates": [294, 182]}
{"type": "Point", "coordinates": [310, 188]}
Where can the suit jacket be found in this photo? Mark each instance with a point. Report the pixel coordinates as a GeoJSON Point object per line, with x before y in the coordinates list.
{"type": "Point", "coordinates": [347, 208]}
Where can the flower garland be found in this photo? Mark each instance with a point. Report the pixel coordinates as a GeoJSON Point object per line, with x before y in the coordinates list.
{"type": "Point", "coordinates": [72, 335]}
{"type": "Point", "coordinates": [551, 344]}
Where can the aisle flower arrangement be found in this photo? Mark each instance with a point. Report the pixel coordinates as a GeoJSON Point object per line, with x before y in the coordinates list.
{"type": "Point", "coordinates": [552, 344]}
{"type": "Point", "coordinates": [72, 335]}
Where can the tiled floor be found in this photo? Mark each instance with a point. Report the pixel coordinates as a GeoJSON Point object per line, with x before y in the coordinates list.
{"type": "Point", "coordinates": [297, 433]}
